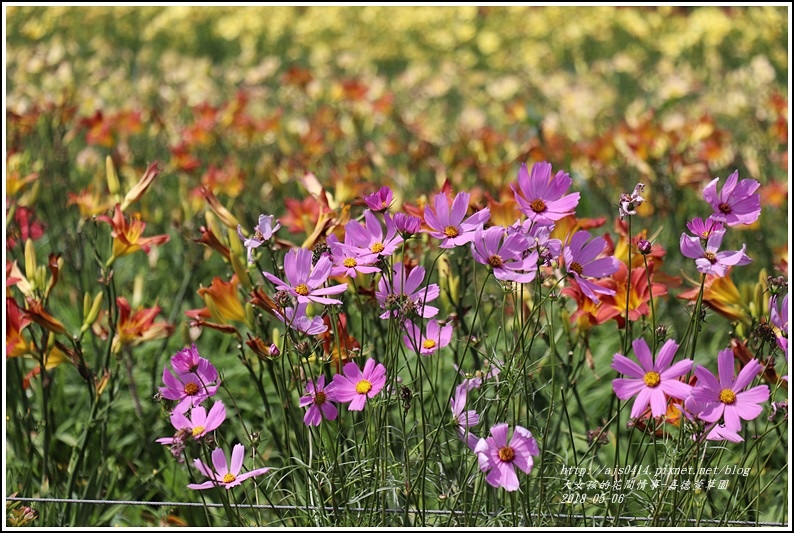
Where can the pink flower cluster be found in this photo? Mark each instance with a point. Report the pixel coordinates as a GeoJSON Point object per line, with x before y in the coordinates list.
{"type": "Point", "coordinates": [195, 381]}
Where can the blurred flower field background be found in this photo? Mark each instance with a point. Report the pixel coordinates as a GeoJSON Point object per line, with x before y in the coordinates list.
{"type": "Point", "coordinates": [299, 113]}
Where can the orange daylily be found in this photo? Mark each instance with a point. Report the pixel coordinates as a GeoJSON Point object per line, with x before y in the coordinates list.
{"type": "Point", "coordinates": [127, 236]}
{"type": "Point", "coordinates": [135, 328]}
{"type": "Point", "coordinates": [16, 321]}
{"type": "Point", "coordinates": [36, 312]}
{"type": "Point", "coordinates": [721, 294]}
{"type": "Point", "coordinates": [89, 202]}
{"type": "Point", "coordinates": [223, 305]}
{"type": "Point", "coordinates": [615, 306]}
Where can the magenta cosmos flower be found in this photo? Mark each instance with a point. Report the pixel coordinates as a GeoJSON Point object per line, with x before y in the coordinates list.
{"type": "Point", "coordinates": [710, 261]}
{"type": "Point", "coordinates": [297, 319]}
{"type": "Point", "coordinates": [435, 338]}
{"type": "Point", "coordinates": [355, 386]}
{"type": "Point", "coordinates": [200, 422]}
{"type": "Point", "coordinates": [725, 397]}
{"type": "Point", "coordinates": [262, 233]}
{"type": "Point", "coordinates": [380, 200]}
{"type": "Point", "coordinates": [703, 228]}
{"type": "Point", "coordinates": [581, 259]}
{"type": "Point", "coordinates": [499, 458]}
{"type": "Point", "coordinates": [736, 203]}
{"type": "Point", "coordinates": [448, 224]}
{"type": "Point", "coordinates": [189, 360]}
{"type": "Point", "coordinates": [505, 257]}
{"type": "Point", "coordinates": [370, 239]}
{"type": "Point", "coordinates": [306, 282]}
{"type": "Point", "coordinates": [464, 419]}
{"type": "Point", "coordinates": [651, 382]}
{"type": "Point", "coordinates": [190, 388]}
{"type": "Point", "coordinates": [407, 224]}
{"type": "Point", "coordinates": [224, 475]}
{"type": "Point", "coordinates": [778, 315]}
{"type": "Point", "coordinates": [319, 405]}
{"type": "Point", "coordinates": [403, 295]}
{"type": "Point", "coordinates": [542, 198]}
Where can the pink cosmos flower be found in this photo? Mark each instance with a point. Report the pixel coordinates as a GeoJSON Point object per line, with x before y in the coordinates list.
{"type": "Point", "coordinates": [262, 233]}
{"type": "Point", "coordinates": [542, 198]}
{"type": "Point", "coordinates": [464, 419]}
{"type": "Point", "coordinates": [499, 458]}
{"type": "Point", "coordinates": [703, 228]}
{"type": "Point", "coordinates": [651, 381]}
{"type": "Point", "coordinates": [506, 257]}
{"type": "Point", "coordinates": [355, 386]}
{"type": "Point", "coordinates": [320, 408]}
{"type": "Point", "coordinates": [736, 203]}
{"type": "Point", "coordinates": [435, 338]}
{"type": "Point", "coordinates": [371, 239]}
{"type": "Point", "coordinates": [448, 225]}
{"type": "Point", "coordinates": [710, 261]}
{"type": "Point", "coordinates": [474, 380]}
{"type": "Point", "coordinates": [350, 261]}
{"type": "Point", "coordinates": [224, 476]}
{"type": "Point", "coordinates": [778, 315]}
{"type": "Point", "coordinates": [297, 319]}
{"type": "Point", "coordinates": [725, 397]}
{"type": "Point", "coordinates": [190, 388]}
{"type": "Point", "coordinates": [380, 200]}
{"type": "Point", "coordinates": [200, 422]}
{"type": "Point", "coordinates": [403, 295]}
{"type": "Point", "coordinates": [189, 360]}
{"type": "Point", "coordinates": [306, 282]}
{"type": "Point", "coordinates": [581, 259]}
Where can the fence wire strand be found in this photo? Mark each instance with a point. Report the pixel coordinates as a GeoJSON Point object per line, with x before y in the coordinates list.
{"type": "Point", "coordinates": [331, 509]}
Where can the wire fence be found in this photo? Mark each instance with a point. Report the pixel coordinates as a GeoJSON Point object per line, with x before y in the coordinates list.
{"type": "Point", "coordinates": [330, 509]}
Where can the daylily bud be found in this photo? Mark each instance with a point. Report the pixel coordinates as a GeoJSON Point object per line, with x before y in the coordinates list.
{"type": "Point", "coordinates": [112, 177]}
{"type": "Point", "coordinates": [92, 313]}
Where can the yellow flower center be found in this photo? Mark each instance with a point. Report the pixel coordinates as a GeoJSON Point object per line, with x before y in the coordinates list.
{"type": "Point", "coordinates": [495, 261]}
{"type": "Point", "coordinates": [429, 344]}
{"type": "Point", "coordinates": [198, 430]}
{"type": "Point", "coordinates": [727, 396]}
{"type": "Point", "coordinates": [302, 289]}
{"type": "Point", "coordinates": [507, 454]}
{"type": "Point", "coordinates": [350, 262]}
{"type": "Point", "coordinates": [363, 386]}
{"type": "Point", "coordinates": [319, 398]}
{"type": "Point", "coordinates": [228, 478]}
{"type": "Point", "coordinates": [377, 247]}
{"type": "Point", "coordinates": [576, 267]}
{"type": "Point", "coordinates": [191, 389]}
{"type": "Point", "coordinates": [704, 234]}
{"type": "Point", "coordinates": [652, 379]}
{"type": "Point", "coordinates": [711, 257]}
{"type": "Point", "coordinates": [451, 231]}
{"type": "Point", "coordinates": [538, 205]}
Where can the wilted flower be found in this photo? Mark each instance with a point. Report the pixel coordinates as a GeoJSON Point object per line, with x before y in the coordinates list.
{"type": "Point", "coordinates": [262, 233]}
{"type": "Point", "coordinates": [630, 202]}
{"type": "Point", "coordinates": [499, 458]}
{"type": "Point", "coordinates": [224, 476]}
